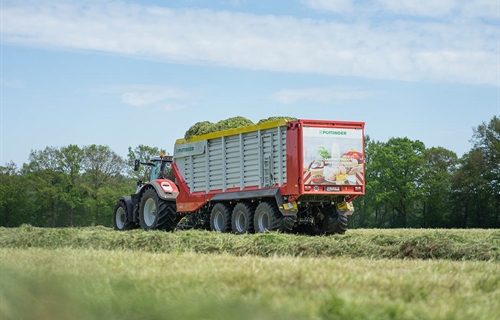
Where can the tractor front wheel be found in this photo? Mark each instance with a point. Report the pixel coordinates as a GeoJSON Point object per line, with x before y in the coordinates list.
{"type": "Point", "coordinates": [120, 221]}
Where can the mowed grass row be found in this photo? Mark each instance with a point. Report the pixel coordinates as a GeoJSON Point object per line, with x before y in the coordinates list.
{"type": "Point", "coordinates": [470, 244]}
{"type": "Point", "coordinates": [67, 283]}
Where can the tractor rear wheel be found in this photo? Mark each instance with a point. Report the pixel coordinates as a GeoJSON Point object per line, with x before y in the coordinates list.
{"type": "Point", "coordinates": [156, 213]}
{"type": "Point", "coordinates": [242, 219]}
{"type": "Point", "coordinates": [267, 217]}
{"type": "Point", "coordinates": [120, 221]}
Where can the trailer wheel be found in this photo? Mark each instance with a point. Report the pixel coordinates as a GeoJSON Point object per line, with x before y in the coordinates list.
{"type": "Point", "coordinates": [220, 218]}
{"type": "Point", "coordinates": [267, 217]}
{"type": "Point", "coordinates": [336, 223]}
{"type": "Point", "coordinates": [156, 213]}
{"type": "Point", "coordinates": [242, 219]}
{"type": "Point", "coordinates": [120, 221]}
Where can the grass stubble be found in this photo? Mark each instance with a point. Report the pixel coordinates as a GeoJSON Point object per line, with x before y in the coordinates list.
{"type": "Point", "coordinates": [97, 273]}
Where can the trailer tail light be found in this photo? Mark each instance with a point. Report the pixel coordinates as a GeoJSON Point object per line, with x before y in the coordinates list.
{"type": "Point", "coordinates": [166, 187]}
{"type": "Point", "coordinates": [358, 188]}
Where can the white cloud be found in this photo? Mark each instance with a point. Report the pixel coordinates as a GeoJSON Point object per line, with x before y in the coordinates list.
{"type": "Point", "coordinates": [140, 95]}
{"type": "Point", "coordinates": [420, 8]}
{"type": "Point", "coordinates": [329, 5]}
{"type": "Point", "coordinates": [323, 95]}
{"type": "Point", "coordinates": [236, 3]}
{"type": "Point", "coordinates": [450, 50]}
{"type": "Point", "coordinates": [430, 8]}
{"type": "Point", "coordinates": [482, 8]}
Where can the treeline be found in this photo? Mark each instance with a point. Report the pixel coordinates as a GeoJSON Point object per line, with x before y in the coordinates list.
{"type": "Point", "coordinates": [69, 186]}
{"type": "Point", "coordinates": [410, 186]}
{"type": "Point", "coordinates": [407, 184]}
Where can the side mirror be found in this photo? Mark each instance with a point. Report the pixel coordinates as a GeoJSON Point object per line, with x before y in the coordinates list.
{"type": "Point", "coordinates": [137, 163]}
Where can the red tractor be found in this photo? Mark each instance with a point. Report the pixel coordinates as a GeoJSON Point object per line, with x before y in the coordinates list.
{"type": "Point", "coordinates": [152, 206]}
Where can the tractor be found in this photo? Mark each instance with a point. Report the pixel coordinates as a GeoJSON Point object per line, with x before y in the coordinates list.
{"type": "Point", "coordinates": [152, 206]}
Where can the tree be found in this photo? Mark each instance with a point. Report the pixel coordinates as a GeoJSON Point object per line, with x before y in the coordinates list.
{"type": "Point", "coordinates": [396, 172]}
{"type": "Point", "coordinates": [439, 167]}
{"type": "Point", "coordinates": [476, 189]}
{"type": "Point", "coordinates": [45, 173]}
{"type": "Point", "coordinates": [486, 140]}
{"type": "Point", "coordinates": [144, 154]}
{"type": "Point", "coordinates": [13, 201]}
{"type": "Point", "coordinates": [70, 162]}
{"type": "Point", "coordinates": [366, 205]}
{"type": "Point", "coordinates": [470, 192]}
{"type": "Point", "coordinates": [103, 168]}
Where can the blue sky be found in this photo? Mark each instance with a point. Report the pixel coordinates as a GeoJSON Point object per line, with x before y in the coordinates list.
{"type": "Point", "coordinates": [125, 73]}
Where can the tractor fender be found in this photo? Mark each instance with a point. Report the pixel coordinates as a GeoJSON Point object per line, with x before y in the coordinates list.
{"type": "Point", "coordinates": [130, 206]}
{"type": "Point", "coordinates": [157, 184]}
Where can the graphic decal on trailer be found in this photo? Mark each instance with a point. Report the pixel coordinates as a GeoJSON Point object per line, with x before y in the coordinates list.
{"type": "Point", "coordinates": [333, 156]}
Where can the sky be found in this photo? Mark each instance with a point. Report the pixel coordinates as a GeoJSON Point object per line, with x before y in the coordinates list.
{"type": "Point", "coordinates": [128, 73]}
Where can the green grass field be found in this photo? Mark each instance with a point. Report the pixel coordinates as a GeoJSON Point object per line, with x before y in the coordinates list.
{"type": "Point", "coordinates": [98, 273]}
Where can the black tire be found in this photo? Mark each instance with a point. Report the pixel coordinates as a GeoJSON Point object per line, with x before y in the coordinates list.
{"type": "Point", "coordinates": [267, 217]}
{"type": "Point", "coordinates": [155, 213]}
{"type": "Point", "coordinates": [220, 218]}
{"type": "Point", "coordinates": [120, 217]}
{"type": "Point", "coordinates": [242, 219]}
{"type": "Point", "coordinates": [332, 222]}
{"type": "Point", "coordinates": [336, 223]}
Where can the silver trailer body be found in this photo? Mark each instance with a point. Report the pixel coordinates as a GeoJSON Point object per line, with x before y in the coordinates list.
{"type": "Point", "coordinates": [236, 159]}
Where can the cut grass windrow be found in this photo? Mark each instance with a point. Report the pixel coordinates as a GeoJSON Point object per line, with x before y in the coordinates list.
{"type": "Point", "coordinates": [457, 245]}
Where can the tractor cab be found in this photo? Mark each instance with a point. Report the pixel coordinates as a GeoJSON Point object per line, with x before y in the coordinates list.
{"type": "Point", "coordinates": [160, 168]}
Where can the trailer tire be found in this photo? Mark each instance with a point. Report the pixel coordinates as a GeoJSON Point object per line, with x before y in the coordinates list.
{"type": "Point", "coordinates": [120, 217]}
{"type": "Point", "coordinates": [220, 218]}
{"type": "Point", "coordinates": [156, 213]}
{"type": "Point", "coordinates": [242, 219]}
{"type": "Point", "coordinates": [267, 217]}
{"type": "Point", "coordinates": [337, 224]}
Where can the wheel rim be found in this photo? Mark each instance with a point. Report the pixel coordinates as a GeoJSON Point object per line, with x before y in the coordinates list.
{"type": "Point", "coordinates": [120, 218]}
{"type": "Point", "coordinates": [149, 212]}
{"type": "Point", "coordinates": [263, 222]}
{"type": "Point", "coordinates": [241, 222]}
{"type": "Point", "coordinates": [218, 221]}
